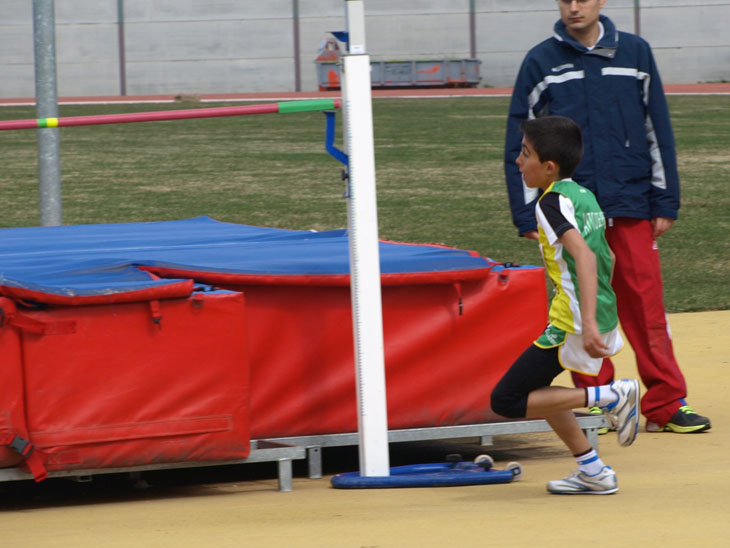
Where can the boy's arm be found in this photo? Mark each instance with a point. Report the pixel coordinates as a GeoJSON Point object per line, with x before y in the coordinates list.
{"type": "Point", "coordinates": [585, 266]}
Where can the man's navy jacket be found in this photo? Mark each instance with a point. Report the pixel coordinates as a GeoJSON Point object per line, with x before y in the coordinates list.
{"type": "Point", "coordinates": [614, 93]}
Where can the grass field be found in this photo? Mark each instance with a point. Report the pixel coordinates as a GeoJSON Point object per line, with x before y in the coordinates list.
{"type": "Point", "coordinates": [439, 171]}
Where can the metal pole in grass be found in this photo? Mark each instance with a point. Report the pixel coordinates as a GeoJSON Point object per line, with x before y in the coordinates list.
{"type": "Point", "coordinates": [122, 48]}
{"type": "Point", "coordinates": [362, 217]}
{"type": "Point", "coordinates": [472, 29]}
{"type": "Point", "coordinates": [49, 156]}
{"type": "Point", "coordinates": [637, 18]}
{"type": "Point", "coordinates": [296, 39]}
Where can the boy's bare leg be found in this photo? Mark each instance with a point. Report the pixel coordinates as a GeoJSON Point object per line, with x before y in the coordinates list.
{"type": "Point", "coordinates": [551, 399]}
{"type": "Point", "coordinates": [566, 427]}
{"type": "Point", "coordinates": [592, 476]}
{"type": "Point", "coordinates": [555, 404]}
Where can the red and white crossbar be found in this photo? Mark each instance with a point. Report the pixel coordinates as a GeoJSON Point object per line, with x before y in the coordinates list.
{"type": "Point", "coordinates": [284, 107]}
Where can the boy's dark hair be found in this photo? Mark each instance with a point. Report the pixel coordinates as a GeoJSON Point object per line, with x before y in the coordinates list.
{"type": "Point", "coordinates": [557, 139]}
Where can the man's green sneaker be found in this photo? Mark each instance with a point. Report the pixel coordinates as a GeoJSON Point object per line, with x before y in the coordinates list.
{"type": "Point", "coordinates": [595, 410]}
{"type": "Point", "coordinates": [684, 421]}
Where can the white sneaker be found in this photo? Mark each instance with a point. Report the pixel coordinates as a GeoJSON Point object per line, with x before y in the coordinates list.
{"type": "Point", "coordinates": [579, 483]}
{"type": "Point", "coordinates": [624, 414]}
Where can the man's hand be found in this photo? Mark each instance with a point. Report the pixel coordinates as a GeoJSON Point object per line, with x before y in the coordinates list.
{"type": "Point", "coordinates": [661, 225]}
{"type": "Point", "coordinates": [532, 235]}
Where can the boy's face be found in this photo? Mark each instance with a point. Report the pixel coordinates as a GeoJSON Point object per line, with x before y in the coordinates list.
{"type": "Point", "coordinates": [535, 173]}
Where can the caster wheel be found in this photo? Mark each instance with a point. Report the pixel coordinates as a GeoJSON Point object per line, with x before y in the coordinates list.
{"type": "Point", "coordinates": [485, 461]}
{"type": "Point", "coordinates": [516, 469]}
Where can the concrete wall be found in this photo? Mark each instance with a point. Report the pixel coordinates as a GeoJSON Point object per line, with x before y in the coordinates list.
{"type": "Point", "coordinates": [217, 46]}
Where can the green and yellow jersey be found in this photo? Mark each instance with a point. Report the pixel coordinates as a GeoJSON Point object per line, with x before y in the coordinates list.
{"type": "Point", "coordinates": [565, 205]}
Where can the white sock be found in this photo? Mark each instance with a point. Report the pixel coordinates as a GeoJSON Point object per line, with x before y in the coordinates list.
{"type": "Point", "coordinates": [589, 462]}
{"type": "Point", "coordinates": [600, 396]}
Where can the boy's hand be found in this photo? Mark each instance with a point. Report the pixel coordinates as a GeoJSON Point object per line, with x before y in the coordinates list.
{"type": "Point", "coordinates": [593, 342]}
{"type": "Point", "coordinates": [532, 235]}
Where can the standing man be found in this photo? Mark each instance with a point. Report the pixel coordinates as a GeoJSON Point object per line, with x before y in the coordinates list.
{"type": "Point", "coordinates": [607, 82]}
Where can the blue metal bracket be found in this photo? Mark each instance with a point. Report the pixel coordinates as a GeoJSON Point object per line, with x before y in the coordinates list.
{"type": "Point", "coordinates": [329, 139]}
{"type": "Point", "coordinates": [343, 36]}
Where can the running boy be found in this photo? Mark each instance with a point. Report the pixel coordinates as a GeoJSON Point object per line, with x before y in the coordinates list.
{"type": "Point", "coordinates": [583, 318]}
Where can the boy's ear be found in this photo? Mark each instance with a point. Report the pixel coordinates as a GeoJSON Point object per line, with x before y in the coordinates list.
{"type": "Point", "coordinates": [552, 168]}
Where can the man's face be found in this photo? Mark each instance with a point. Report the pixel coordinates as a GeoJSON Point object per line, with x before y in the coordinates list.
{"type": "Point", "coordinates": [580, 15]}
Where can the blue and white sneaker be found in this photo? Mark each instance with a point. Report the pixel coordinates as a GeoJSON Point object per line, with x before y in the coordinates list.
{"type": "Point", "coordinates": [579, 483]}
{"type": "Point", "coordinates": [624, 414]}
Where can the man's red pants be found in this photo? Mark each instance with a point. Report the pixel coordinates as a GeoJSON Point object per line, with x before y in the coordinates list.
{"type": "Point", "coordinates": [637, 282]}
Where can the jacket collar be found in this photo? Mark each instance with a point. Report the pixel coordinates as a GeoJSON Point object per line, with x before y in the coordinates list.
{"type": "Point", "coordinates": [606, 46]}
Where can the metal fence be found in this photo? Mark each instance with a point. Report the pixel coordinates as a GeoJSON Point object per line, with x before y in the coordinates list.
{"type": "Point", "coordinates": [113, 47]}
